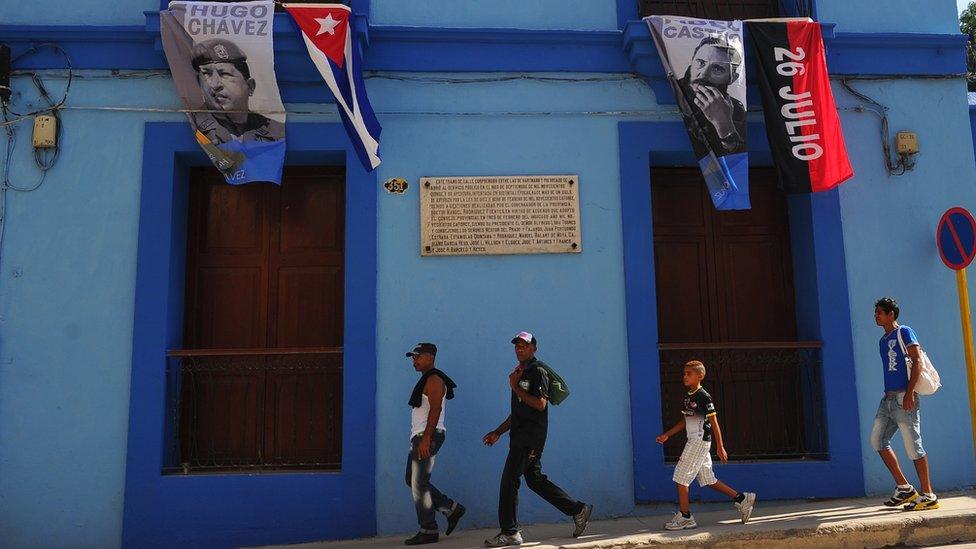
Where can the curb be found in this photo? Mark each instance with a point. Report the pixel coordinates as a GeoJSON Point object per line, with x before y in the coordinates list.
{"type": "Point", "coordinates": [912, 531]}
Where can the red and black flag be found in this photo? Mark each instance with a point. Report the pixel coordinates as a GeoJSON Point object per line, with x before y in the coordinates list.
{"type": "Point", "coordinates": [801, 118]}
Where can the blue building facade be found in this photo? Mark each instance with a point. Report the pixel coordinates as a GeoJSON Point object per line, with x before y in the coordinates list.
{"type": "Point", "coordinates": [92, 266]}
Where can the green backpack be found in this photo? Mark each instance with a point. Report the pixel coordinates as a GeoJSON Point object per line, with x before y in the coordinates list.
{"type": "Point", "coordinates": [558, 388]}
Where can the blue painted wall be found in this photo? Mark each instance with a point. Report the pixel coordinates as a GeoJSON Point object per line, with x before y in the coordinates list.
{"type": "Point", "coordinates": [68, 271]}
{"type": "Point", "coordinates": [78, 12]}
{"type": "Point", "coordinates": [67, 279]}
{"type": "Point", "coordinates": [546, 14]}
{"type": "Point", "coordinates": [471, 306]}
{"type": "Point", "coordinates": [936, 16]}
{"type": "Point", "coordinates": [541, 14]}
{"type": "Point", "coordinates": [889, 235]}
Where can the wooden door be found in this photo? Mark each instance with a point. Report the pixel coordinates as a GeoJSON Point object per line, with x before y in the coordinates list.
{"type": "Point", "coordinates": [265, 263]}
{"type": "Point", "coordinates": [264, 320]}
{"type": "Point", "coordinates": [721, 276]}
{"type": "Point", "coordinates": [724, 286]}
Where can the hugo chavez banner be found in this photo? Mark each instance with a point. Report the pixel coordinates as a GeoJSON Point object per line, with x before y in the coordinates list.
{"type": "Point", "coordinates": [703, 60]}
{"type": "Point", "coordinates": [222, 59]}
{"type": "Point", "coordinates": [802, 124]}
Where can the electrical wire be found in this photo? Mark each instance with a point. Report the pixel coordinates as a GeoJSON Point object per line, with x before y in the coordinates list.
{"type": "Point", "coordinates": [379, 76]}
{"type": "Point", "coordinates": [67, 88]}
{"type": "Point", "coordinates": [896, 167]}
{"type": "Point", "coordinates": [54, 108]}
{"type": "Point", "coordinates": [5, 183]}
{"type": "Point", "coordinates": [633, 112]}
{"type": "Point", "coordinates": [44, 160]}
{"type": "Point", "coordinates": [444, 80]}
{"type": "Point", "coordinates": [510, 78]}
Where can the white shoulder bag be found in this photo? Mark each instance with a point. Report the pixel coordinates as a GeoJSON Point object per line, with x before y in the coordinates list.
{"type": "Point", "coordinates": [928, 379]}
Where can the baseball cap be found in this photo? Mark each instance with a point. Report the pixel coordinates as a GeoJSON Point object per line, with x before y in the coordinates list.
{"type": "Point", "coordinates": [424, 348]}
{"type": "Point", "coordinates": [524, 336]}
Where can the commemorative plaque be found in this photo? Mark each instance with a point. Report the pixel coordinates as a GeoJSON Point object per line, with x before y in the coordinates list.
{"type": "Point", "coordinates": [528, 214]}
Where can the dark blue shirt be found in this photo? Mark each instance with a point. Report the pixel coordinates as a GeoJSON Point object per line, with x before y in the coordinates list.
{"type": "Point", "coordinates": [893, 358]}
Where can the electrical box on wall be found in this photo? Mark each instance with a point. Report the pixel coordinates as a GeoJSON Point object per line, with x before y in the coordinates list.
{"type": "Point", "coordinates": [906, 143]}
{"type": "Point", "coordinates": [45, 132]}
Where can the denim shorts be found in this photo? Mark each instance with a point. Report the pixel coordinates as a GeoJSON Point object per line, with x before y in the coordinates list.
{"type": "Point", "coordinates": [892, 417]}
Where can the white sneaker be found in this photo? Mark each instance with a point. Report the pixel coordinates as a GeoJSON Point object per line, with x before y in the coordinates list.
{"type": "Point", "coordinates": [745, 508]}
{"type": "Point", "coordinates": [502, 540]}
{"type": "Point", "coordinates": [679, 522]}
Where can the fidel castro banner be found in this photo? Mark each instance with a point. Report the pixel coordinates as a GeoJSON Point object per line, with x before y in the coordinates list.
{"type": "Point", "coordinates": [704, 62]}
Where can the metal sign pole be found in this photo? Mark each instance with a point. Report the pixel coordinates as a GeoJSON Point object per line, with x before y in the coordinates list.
{"type": "Point", "coordinates": [967, 343]}
{"type": "Point", "coordinates": [956, 240]}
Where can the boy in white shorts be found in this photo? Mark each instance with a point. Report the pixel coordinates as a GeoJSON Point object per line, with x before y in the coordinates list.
{"type": "Point", "coordinates": [701, 425]}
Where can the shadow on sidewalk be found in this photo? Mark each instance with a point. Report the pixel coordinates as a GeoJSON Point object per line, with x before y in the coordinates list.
{"type": "Point", "coordinates": [823, 515]}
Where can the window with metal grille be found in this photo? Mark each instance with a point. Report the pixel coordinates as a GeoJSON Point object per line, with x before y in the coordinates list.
{"type": "Point", "coordinates": [711, 9]}
{"type": "Point", "coordinates": [258, 384]}
{"type": "Point", "coordinates": [726, 296]}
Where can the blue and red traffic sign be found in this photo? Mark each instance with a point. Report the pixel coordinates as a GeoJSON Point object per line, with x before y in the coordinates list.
{"type": "Point", "coordinates": [956, 238]}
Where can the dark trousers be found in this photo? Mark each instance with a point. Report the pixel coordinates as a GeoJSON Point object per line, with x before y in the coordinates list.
{"type": "Point", "coordinates": [426, 498]}
{"type": "Point", "coordinates": [528, 462]}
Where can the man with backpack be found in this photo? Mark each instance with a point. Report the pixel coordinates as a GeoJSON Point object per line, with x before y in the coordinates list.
{"type": "Point", "coordinates": [528, 425]}
{"type": "Point", "coordinates": [901, 358]}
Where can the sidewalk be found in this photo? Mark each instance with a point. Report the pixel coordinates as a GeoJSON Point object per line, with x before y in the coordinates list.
{"type": "Point", "coordinates": [861, 522]}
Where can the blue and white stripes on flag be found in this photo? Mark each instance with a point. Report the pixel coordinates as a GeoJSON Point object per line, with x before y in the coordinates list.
{"type": "Point", "coordinates": [328, 34]}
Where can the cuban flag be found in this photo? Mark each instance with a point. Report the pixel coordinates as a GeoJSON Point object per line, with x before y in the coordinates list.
{"type": "Point", "coordinates": [328, 36]}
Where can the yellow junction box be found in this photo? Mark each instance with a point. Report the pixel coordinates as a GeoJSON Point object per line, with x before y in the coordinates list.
{"type": "Point", "coordinates": [45, 132]}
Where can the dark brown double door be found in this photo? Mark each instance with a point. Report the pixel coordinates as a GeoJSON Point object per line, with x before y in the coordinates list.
{"type": "Point", "coordinates": [722, 276]}
{"type": "Point", "coordinates": [262, 360]}
{"type": "Point", "coordinates": [724, 286]}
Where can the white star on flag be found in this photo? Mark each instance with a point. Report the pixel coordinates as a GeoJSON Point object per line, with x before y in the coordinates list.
{"type": "Point", "coordinates": [326, 25]}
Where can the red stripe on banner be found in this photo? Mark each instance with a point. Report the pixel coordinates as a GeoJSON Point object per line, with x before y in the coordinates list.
{"type": "Point", "coordinates": [829, 166]}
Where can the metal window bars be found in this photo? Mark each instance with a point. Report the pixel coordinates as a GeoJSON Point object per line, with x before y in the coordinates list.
{"type": "Point", "coordinates": [254, 410]}
{"type": "Point", "coordinates": [769, 397]}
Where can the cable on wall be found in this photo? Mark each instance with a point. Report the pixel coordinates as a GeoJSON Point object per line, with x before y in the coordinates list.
{"type": "Point", "coordinates": [894, 167]}
{"type": "Point", "coordinates": [44, 158]}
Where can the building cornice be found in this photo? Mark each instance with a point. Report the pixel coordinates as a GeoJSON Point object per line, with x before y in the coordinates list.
{"type": "Point", "coordinates": [431, 49]}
